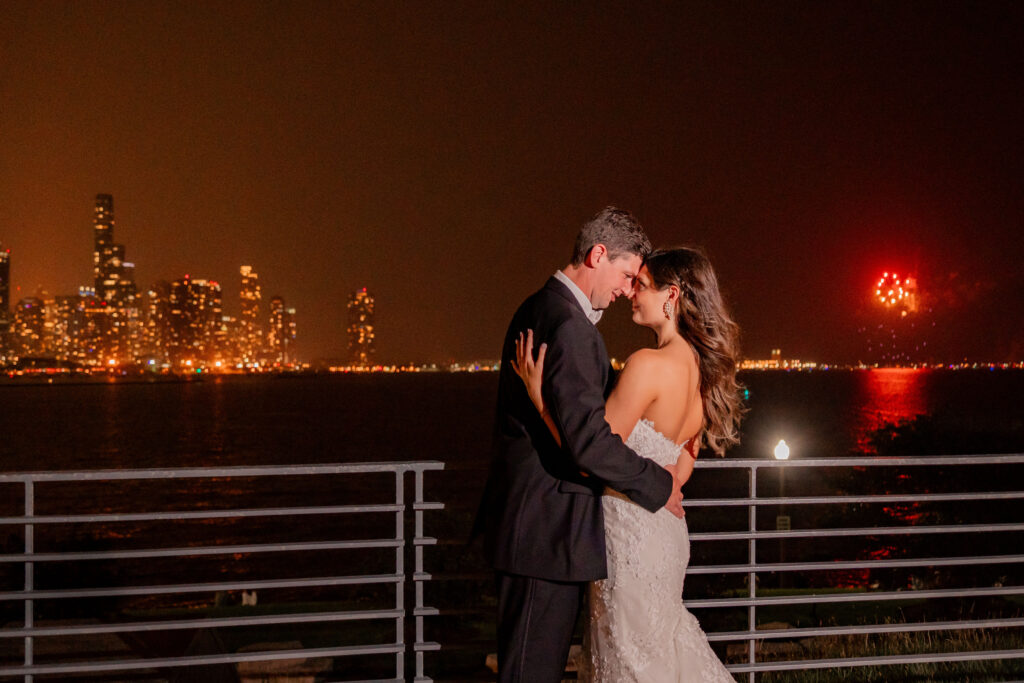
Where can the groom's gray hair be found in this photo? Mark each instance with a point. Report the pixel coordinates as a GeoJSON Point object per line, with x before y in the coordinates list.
{"type": "Point", "coordinates": [616, 229]}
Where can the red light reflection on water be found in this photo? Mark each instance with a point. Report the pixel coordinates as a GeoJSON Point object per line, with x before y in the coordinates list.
{"type": "Point", "coordinates": [888, 396]}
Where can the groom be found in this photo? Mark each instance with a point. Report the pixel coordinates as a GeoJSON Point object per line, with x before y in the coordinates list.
{"type": "Point", "coordinates": [541, 511]}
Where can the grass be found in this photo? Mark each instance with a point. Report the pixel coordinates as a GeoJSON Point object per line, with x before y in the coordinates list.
{"type": "Point", "coordinates": [902, 643]}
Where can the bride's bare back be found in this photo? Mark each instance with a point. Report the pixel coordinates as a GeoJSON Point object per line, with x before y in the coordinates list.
{"type": "Point", "coordinates": [663, 386]}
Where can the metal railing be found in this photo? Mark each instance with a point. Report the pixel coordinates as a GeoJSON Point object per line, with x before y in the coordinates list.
{"type": "Point", "coordinates": [408, 611]}
{"type": "Point", "coordinates": [408, 618]}
{"type": "Point", "coordinates": [754, 568]}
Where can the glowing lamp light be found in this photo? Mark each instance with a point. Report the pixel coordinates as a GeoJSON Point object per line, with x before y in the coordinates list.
{"type": "Point", "coordinates": [781, 450]}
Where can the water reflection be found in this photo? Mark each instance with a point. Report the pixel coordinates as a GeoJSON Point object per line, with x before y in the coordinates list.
{"type": "Point", "coordinates": [888, 396]}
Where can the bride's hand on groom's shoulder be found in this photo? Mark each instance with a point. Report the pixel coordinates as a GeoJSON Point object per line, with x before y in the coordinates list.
{"type": "Point", "coordinates": [530, 369]}
{"type": "Point", "coordinates": [675, 500]}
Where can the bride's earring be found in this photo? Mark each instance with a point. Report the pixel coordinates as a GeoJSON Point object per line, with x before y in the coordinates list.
{"type": "Point", "coordinates": [668, 309]}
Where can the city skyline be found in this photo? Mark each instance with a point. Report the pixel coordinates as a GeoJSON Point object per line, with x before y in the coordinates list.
{"type": "Point", "coordinates": [177, 326]}
{"type": "Point", "coordinates": [445, 156]}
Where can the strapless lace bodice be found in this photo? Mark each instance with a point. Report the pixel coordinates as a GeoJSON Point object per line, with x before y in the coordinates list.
{"type": "Point", "coordinates": [650, 443]}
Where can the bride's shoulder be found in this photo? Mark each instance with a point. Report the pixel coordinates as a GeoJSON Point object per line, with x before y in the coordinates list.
{"type": "Point", "coordinates": [642, 358]}
{"type": "Point", "coordinates": [643, 362]}
{"type": "Point", "coordinates": [659, 362]}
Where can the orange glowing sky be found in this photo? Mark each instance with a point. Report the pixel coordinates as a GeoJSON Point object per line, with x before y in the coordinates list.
{"type": "Point", "coordinates": [443, 155]}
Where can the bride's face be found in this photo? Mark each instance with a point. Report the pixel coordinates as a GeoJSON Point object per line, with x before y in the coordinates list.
{"type": "Point", "coordinates": [648, 302]}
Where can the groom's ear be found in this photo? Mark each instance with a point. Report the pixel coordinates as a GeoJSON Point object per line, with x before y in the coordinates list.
{"type": "Point", "coordinates": [597, 253]}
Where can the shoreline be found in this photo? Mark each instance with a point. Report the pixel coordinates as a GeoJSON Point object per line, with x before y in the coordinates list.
{"type": "Point", "coordinates": [65, 377]}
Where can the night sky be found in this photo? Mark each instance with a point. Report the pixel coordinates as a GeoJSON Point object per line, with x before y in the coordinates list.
{"type": "Point", "coordinates": [444, 155]}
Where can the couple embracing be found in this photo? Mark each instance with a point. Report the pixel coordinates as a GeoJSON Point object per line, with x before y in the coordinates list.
{"type": "Point", "coordinates": [583, 496]}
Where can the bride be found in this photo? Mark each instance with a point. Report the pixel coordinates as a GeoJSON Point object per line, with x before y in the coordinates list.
{"type": "Point", "coordinates": [666, 400]}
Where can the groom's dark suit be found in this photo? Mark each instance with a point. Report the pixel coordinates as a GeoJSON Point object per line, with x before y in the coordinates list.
{"type": "Point", "coordinates": [541, 515]}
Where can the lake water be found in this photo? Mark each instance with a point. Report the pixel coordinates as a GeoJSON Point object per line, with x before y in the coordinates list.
{"type": "Point", "coordinates": [350, 418]}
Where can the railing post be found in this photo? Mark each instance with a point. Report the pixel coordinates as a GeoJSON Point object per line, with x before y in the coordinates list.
{"type": "Point", "coordinates": [752, 576]}
{"type": "Point", "coordinates": [30, 545]}
{"type": "Point", "coordinates": [418, 568]}
{"type": "Point", "coordinates": [400, 570]}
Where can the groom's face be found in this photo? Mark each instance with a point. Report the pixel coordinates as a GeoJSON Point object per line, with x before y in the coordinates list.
{"type": "Point", "coordinates": [614, 278]}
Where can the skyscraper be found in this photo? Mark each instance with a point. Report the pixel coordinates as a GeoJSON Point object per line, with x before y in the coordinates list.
{"type": "Point", "coordinates": [194, 321]}
{"type": "Point", "coordinates": [361, 347]}
{"type": "Point", "coordinates": [68, 319]}
{"type": "Point", "coordinates": [289, 335]}
{"type": "Point", "coordinates": [249, 333]}
{"type": "Point", "coordinates": [5, 282]}
{"type": "Point", "coordinates": [276, 330]}
{"type": "Point", "coordinates": [5, 293]}
{"type": "Point", "coordinates": [114, 277]}
{"type": "Point", "coordinates": [281, 333]}
{"type": "Point", "coordinates": [5, 302]}
{"type": "Point", "coordinates": [114, 280]}
{"type": "Point", "coordinates": [156, 331]}
{"type": "Point", "coordinates": [103, 239]}
{"type": "Point", "coordinates": [29, 327]}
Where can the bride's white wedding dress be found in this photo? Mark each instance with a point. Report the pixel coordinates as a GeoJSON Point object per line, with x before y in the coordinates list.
{"type": "Point", "coordinates": [639, 629]}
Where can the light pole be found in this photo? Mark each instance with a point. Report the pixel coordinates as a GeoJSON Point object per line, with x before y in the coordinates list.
{"type": "Point", "coordinates": [782, 521]}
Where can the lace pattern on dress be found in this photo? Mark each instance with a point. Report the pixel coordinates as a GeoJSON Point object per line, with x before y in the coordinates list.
{"type": "Point", "coordinates": [639, 629]}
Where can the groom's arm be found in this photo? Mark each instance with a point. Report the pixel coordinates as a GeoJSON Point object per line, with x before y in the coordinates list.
{"type": "Point", "coordinates": [574, 395]}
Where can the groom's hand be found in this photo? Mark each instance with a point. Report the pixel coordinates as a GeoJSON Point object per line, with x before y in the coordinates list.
{"type": "Point", "coordinates": [675, 501]}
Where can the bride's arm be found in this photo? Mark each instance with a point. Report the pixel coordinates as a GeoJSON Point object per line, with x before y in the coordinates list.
{"type": "Point", "coordinates": [532, 373]}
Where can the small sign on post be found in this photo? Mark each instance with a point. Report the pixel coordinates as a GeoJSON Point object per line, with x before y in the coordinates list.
{"type": "Point", "coordinates": [782, 523]}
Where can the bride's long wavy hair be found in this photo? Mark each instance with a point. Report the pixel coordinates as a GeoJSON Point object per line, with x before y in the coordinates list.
{"type": "Point", "coordinates": [705, 323]}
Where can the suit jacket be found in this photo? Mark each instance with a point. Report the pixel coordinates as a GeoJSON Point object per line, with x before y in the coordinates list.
{"type": "Point", "coordinates": [540, 516]}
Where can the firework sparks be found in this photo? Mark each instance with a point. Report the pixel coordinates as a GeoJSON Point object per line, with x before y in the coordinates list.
{"type": "Point", "coordinates": [897, 293]}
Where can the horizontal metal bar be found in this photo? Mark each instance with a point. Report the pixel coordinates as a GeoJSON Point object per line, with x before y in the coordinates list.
{"type": "Point", "coordinates": [789, 633]}
{"type": "Point", "coordinates": [201, 660]}
{"type": "Point", "coordinates": [860, 596]}
{"type": "Point", "coordinates": [851, 662]}
{"type": "Point", "coordinates": [202, 550]}
{"type": "Point", "coordinates": [176, 515]}
{"type": "Point", "coordinates": [210, 622]}
{"type": "Point", "coordinates": [855, 564]}
{"type": "Point", "coordinates": [426, 647]}
{"type": "Point", "coordinates": [836, 500]}
{"type": "Point", "coordinates": [864, 531]}
{"type": "Point", "coordinates": [873, 461]}
{"type": "Point", "coordinates": [239, 471]}
{"type": "Point", "coordinates": [365, 579]}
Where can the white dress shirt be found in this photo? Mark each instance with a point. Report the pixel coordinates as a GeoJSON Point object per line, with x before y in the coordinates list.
{"type": "Point", "coordinates": [592, 313]}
